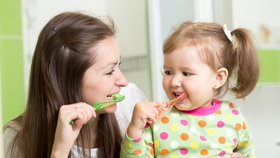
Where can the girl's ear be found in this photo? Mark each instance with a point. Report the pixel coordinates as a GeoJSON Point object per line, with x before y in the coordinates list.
{"type": "Point", "coordinates": [221, 77]}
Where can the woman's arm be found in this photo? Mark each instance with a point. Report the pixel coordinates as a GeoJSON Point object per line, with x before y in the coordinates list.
{"type": "Point", "coordinates": [66, 134]}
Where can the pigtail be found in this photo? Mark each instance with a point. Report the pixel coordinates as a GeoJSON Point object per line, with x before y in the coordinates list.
{"type": "Point", "coordinates": [246, 62]}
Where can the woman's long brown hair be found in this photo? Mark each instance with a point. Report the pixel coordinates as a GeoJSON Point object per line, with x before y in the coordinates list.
{"type": "Point", "coordinates": [60, 60]}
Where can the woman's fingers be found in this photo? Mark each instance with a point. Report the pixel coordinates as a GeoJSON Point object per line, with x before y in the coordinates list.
{"type": "Point", "coordinates": [80, 112]}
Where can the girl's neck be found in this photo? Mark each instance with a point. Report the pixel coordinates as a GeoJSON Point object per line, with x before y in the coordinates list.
{"type": "Point", "coordinates": [203, 111]}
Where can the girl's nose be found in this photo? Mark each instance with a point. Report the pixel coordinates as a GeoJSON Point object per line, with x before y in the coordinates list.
{"type": "Point", "coordinates": [121, 80]}
{"type": "Point", "coordinates": [176, 81]}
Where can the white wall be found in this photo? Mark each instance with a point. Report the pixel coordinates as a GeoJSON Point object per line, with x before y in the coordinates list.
{"type": "Point", "coordinates": [36, 13]}
{"type": "Point", "coordinates": [255, 13]}
{"type": "Point", "coordinates": [261, 109]}
{"type": "Point", "coordinates": [131, 24]}
{"type": "Point", "coordinates": [131, 20]}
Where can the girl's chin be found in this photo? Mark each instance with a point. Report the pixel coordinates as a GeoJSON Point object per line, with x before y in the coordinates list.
{"type": "Point", "coordinates": [182, 107]}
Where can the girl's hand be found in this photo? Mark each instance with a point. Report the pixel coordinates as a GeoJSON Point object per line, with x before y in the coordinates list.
{"type": "Point", "coordinates": [144, 112]}
{"type": "Point", "coordinates": [236, 155]}
{"type": "Point", "coordinates": [66, 134]}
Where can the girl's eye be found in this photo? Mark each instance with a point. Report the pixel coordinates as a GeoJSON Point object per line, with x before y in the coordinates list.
{"type": "Point", "coordinates": [186, 74]}
{"type": "Point", "coordinates": [166, 72]}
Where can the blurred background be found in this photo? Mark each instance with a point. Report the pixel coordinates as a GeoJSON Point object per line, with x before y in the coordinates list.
{"type": "Point", "coordinates": [142, 26]}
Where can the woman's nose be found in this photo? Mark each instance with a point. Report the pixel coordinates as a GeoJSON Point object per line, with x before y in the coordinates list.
{"type": "Point", "coordinates": [121, 80]}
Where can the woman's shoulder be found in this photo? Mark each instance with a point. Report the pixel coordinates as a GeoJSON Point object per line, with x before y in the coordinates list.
{"type": "Point", "coordinates": [10, 131]}
{"type": "Point", "coordinates": [12, 126]}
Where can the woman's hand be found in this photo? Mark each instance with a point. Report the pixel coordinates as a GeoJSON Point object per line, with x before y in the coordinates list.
{"type": "Point", "coordinates": [66, 134]}
{"type": "Point", "coordinates": [143, 112]}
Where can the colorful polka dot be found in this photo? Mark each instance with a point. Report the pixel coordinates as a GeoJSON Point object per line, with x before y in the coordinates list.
{"type": "Point", "coordinates": [214, 146]}
{"type": "Point", "coordinates": [234, 141]}
{"type": "Point", "coordinates": [163, 135]}
{"type": "Point", "coordinates": [211, 131]}
{"type": "Point", "coordinates": [173, 144]}
{"type": "Point", "coordinates": [235, 112]}
{"type": "Point", "coordinates": [210, 117]}
{"type": "Point", "coordinates": [229, 117]}
{"type": "Point", "coordinates": [204, 152]}
{"type": "Point", "coordinates": [220, 124]}
{"type": "Point", "coordinates": [137, 152]}
{"type": "Point", "coordinates": [173, 156]}
{"type": "Point", "coordinates": [231, 105]}
{"type": "Point", "coordinates": [203, 138]}
{"type": "Point", "coordinates": [156, 143]}
{"type": "Point", "coordinates": [137, 140]}
{"type": "Point", "coordinates": [201, 123]}
{"type": "Point", "coordinates": [222, 153]}
{"type": "Point", "coordinates": [238, 126]}
{"type": "Point", "coordinates": [184, 136]}
{"type": "Point", "coordinates": [174, 128]}
{"type": "Point", "coordinates": [164, 152]}
{"type": "Point", "coordinates": [152, 151]}
{"type": "Point", "coordinates": [164, 120]}
{"type": "Point", "coordinates": [218, 112]}
{"type": "Point", "coordinates": [193, 130]}
{"type": "Point", "coordinates": [222, 140]}
{"type": "Point", "coordinates": [184, 151]}
{"type": "Point", "coordinates": [244, 126]}
{"type": "Point", "coordinates": [194, 144]}
{"type": "Point", "coordinates": [184, 122]}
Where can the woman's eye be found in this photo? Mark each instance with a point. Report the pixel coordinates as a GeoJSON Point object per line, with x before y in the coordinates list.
{"type": "Point", "coordinates": [186, 74]}
{"type": "Point", "coordinates": [110, 73]}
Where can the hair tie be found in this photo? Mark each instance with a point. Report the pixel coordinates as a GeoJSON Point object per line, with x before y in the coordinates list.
{"type": "Point", "coordinates": [227, 32]}
{"type": "Point", "coordinates": [54, 30]}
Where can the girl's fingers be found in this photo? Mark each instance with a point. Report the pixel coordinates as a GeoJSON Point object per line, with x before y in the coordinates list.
{"type": "Point", "coordinates": [152, 116]}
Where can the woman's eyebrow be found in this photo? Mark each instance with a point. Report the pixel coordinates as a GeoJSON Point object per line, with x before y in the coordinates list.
{"type": "Point", "coordinates": [111, 64]}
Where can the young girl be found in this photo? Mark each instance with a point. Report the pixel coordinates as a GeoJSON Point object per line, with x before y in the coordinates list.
{"type": "Point", "coordinates": [203, 61]}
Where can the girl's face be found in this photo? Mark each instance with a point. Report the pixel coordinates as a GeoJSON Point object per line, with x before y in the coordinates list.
{"type": "Point", "coordinates": [104, 78]}
{"type": "Point", "coordinates": [185, 72]}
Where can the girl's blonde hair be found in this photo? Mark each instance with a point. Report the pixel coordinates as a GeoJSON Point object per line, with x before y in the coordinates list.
{"type": "Point", "coordinates": [238, 55]}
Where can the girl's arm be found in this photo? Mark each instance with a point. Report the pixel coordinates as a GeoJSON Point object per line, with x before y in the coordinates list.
{"type": "Point", "coordinates": [144, 112]}
{"type": "Point", "coordinates": [66, 134]}
{"type": "Point", "coordinates": [135, 144]}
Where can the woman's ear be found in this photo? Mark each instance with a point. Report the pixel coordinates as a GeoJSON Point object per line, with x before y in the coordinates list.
{"type": "Point", "coordinates": [221, 77]}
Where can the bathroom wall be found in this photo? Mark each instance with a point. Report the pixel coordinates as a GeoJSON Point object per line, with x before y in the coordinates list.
{"type": "Point", "coordinates": [131, 25]}
{"type": "Point", "coordinates": [261, 110]}
{"type": "Point", "coordinates": [11, 59]}
{"type": "Point", "coordinates": [266, 29]}
{"type": "Point", "coordinates": [133, 38]}
{"type": "Point", "coordinates": [22, 20]}
{"type": "Point", "coordinates": [1, 137]}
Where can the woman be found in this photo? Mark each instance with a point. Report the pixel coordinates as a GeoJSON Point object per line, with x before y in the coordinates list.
{"type": "Point", "coordinates": [75, 64]}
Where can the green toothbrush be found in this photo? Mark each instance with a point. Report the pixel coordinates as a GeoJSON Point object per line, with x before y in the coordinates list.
{"type": "Point", "coordinates": [100, 105]}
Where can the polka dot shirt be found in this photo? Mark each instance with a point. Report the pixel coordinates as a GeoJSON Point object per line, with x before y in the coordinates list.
{"type": "Point", "coordinates": [205, 132]}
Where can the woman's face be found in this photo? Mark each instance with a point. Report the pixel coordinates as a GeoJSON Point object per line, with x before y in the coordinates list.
{"type": "Point", "coordinates": [104, 78]}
